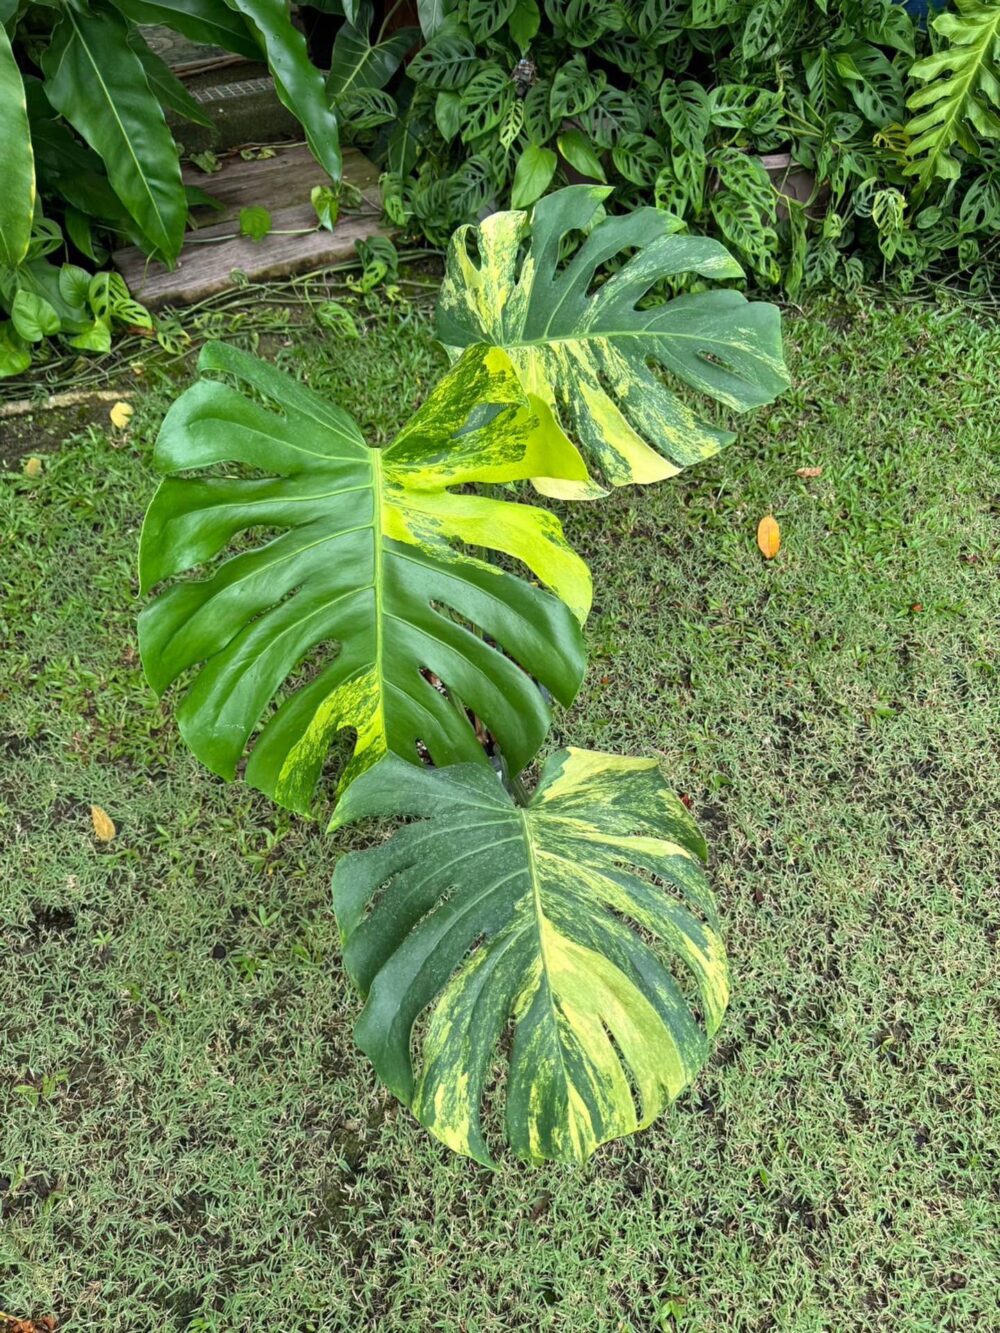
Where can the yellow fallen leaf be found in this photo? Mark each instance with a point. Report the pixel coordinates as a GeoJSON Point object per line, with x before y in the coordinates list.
{"type": "Point", "coordinates": [104, 825]}
{"type": "Point", "coordinates": [32, 467]}
{"type": "Point", "coordinates": [768, 537]}
{"type": "Point", "coordinates": [121, 415]}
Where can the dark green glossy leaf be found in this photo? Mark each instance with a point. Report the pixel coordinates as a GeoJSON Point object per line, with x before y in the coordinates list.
{"type": "Point", "coordinates": [15, 353]}
{"type": "Point", "coordinates": [485, 17]}
{"type": "Point", "coordinates": [524, 23]}
{"type": "Point", "coordinates": [358, 65]}
{"type": "Point", "coordinates": [579, 152]}
{"type": "Point", "coordinates": [297, 81]}
{"type": "Point", "coordinates": [70, 168]}
{"type": "Point", "coordinates": [365, 579]}
{"type": "Point", "coordinates": [535, 169]}
{"type": "Point", "coordinates": [209, 21]}
{"type": "Point", "coordinates": [873, 82]}
{"type": "Point", "coordinates": [17, 196]}
{"type": "Point", "coordinates": [448, 60]}
{"type": "Point", "coordinates": [165, 84]}
{"type": "Point", "coordinates": [33, 317]}
{"type": "Point", "coordinates": [95, 79]}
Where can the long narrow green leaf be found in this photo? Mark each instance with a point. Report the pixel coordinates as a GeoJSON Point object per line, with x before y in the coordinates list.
{"type": "Point", "coordinates": [432, 14]}
{"type": "Point", "coordinates": [96, 80]}
{"type": "Point", "coordinates": [67, 167]}
{"type": "Point", "coordinates": [568, 920]}
{"type": "Point", "coordinates": [297, 81]}
{"type": "Point", "coordinates": [211, 22]}
{"type": "Point", "coordinates": [165, 84]}
{"type": "Point", "coordinates": [17, 197]}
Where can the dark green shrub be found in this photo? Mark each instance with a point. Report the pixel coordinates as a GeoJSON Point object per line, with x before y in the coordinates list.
{"type": "Point", "coordinates": [820, 140]}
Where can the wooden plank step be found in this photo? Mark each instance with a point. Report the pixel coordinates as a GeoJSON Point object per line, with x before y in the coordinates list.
{"type": "Point", "coordinates": [281, 184]}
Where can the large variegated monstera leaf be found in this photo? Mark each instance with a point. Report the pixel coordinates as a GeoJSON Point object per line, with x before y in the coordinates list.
{"type": "Point", "coordinates": [353, 570]}
{"type": "Point", "coordinates": [582, 920]}
{"type": "Point", "coordinates": [588, 352]}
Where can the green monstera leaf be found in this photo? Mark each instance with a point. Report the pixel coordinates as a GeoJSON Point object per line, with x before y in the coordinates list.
{"type": "Point", "coordinates": [587, 352]}
{"type": "Point", "coordinates": [583, 921]}
{"type": "Point", "coordinates": [364, 575]}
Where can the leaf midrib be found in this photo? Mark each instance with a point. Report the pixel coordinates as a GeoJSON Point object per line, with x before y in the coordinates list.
{"type": "Point", "coordinates": [541, 920]}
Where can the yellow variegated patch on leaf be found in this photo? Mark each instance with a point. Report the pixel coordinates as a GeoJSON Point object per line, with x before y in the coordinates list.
{"type": "Point", "coordinates": [582, 921]}
{"type": "Point", "coordinates": [360, 607]}
{"type": "Point", "coordinates": [587, 349]}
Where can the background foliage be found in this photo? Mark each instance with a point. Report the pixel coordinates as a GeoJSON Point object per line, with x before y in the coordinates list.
{"type": "Point", "coordinates": [83, 103]}
{"type": "Point", "coordinates": [889, 158]}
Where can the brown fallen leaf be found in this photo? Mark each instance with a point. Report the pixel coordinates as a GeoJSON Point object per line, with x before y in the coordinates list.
{"type": "Point", "coordinates": [768, 537]}
{"type": "Point", "coordinates": [104, 825]}
{"type": "Point", "coordinates": [32, 467]}
{"type": "Point", "coordinates": [121, 415]}
{"type": "Point", "coordinates": [808, 471]}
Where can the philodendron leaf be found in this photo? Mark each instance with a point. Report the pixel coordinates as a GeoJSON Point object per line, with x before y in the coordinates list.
{"type": "Point", "coordinates": [565, 919]}
{"type": "Point", "coordinates": [960, 100]}
{"type": "Point", "coordinates": [362, 578]}
{"type": "Point", "coordinates": [588, 352]}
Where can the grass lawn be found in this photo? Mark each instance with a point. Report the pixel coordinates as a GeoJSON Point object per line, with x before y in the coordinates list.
{"type": "Point", "coordinates": [189, 1140]}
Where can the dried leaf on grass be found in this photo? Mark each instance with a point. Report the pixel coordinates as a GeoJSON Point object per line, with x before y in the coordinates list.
{"type": "Point", "coordinates": [121, 415]}
{"type": "Point", "coordinates": [104, 825]}
{"type": "Point", "coordinates": [768, 536]}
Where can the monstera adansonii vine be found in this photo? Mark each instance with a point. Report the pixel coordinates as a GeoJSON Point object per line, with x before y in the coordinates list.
{"type": "Point", "coordinates": [495, 916]}
{"type": "Point", "coordinates": [549, 966]}
{"type": "Point", "coordinates": [404, 630]}
{"type": "Point", "coordinates": [586, 349]}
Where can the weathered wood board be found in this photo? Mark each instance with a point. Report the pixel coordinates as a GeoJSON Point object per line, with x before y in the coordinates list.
{"type": "Point", "coordinates": [281, 184]}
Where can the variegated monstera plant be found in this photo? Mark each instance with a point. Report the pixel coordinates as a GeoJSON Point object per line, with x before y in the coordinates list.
{"type": "Point", "coordinates": [551, 960]}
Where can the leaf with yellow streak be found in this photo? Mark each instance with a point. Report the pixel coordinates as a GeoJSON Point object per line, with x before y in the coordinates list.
{"type": "Point", "coordinates": [593, 350]}
{"type": "Point", "coordinates": [365, 606]}
{"type": "Point", "coordinates": [569, 919]}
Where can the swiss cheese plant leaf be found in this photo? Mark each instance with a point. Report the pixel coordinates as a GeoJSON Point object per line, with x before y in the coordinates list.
{"type": "Point", "coordinates": [961, 98]}
{"type": "Point", "coordinates": [582, 921]}
{"type": "Point", "coordinates": [17, 198]}
{"type": "Point", "coordinates": [355, 565]}
{"type": "Point", "coordinates": [588, 352]}
{"type": "Point", "coordinates": [96, 80]}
